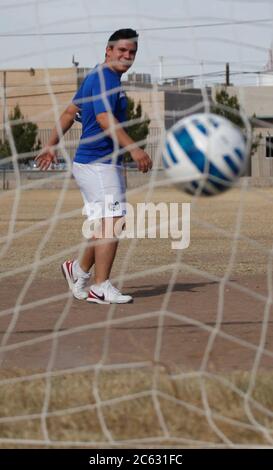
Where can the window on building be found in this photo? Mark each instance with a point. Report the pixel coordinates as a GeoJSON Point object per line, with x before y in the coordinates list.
{"type": "Point", "coordinates": [269, 147]}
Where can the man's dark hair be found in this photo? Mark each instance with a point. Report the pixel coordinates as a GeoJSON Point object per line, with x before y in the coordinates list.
{"type": "Point", "coordinates": [123, 34]}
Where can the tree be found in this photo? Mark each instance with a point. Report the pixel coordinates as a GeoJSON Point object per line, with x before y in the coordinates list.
{"type": "Point", "coordinates": [225, 106]}
{"type": "Point", "coordinates": [24, 134]}
{"type": "Point", "coordinates": [138, 131]}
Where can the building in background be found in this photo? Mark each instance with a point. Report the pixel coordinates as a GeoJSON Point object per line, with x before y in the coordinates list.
{"type": "Point", "coordinates": [265, 78]}
{"type": "Point", "coordinates": [257, 101]}
{"type": "Point", "coordinates": [43, 94]}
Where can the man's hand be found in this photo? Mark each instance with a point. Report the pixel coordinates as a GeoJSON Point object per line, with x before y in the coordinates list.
{"type": "Point", "coordinates": [142, 159]}
{"type": "Point", "coordinates": [45, 158]}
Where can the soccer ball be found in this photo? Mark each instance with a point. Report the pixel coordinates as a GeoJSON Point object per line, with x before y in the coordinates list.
{"type": "Point", "coordinates": [204, 154]}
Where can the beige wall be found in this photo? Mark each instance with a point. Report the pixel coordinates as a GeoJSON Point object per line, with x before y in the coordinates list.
{"type": "Point", "coordinates": [153, 104]}
{"type": "Point", "coordinates": [39, 94]}
{"type": "Point", "coordinates": [254, 99]}
{"type": "Point", "coordinates": [261, 166]}
{"type": "Point", "coordinates": [45, 92]}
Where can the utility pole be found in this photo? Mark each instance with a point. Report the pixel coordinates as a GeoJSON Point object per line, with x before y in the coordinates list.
{"type": "Point", "coordinates": [161, 68]}
{"type": "Point", "coordinates": [227, 74]}
{"type": "Point", "coordinates": [4, 103]}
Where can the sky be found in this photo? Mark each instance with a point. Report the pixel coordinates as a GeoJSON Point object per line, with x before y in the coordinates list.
{"type": "Point", "coordinates": [195, 38]}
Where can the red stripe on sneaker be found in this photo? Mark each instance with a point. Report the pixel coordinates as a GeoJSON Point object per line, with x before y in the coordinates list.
{"type": "Point", "coordinates": [93, 295]}
{"type": "Point", "coordinates": [69, 264]}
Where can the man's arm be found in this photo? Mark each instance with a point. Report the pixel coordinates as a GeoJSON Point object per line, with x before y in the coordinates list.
{"type": "Point", "coordinates": [106, 121]}
{"type": "Point", "coordinates": [48, 153]}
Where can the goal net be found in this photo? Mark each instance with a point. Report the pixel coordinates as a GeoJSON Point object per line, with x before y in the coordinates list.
{"type": "Point", "coordinates": [188, 364]}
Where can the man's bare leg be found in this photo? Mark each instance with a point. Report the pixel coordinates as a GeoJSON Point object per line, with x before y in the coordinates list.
{"type": "Point", "coordinates": [105, 250]}
{"type": "Point", "coordinates": [102, 291]}
{"type": "Point", "coordinates": [101, 251]}
{"type": "Point", "coordinates": [104, 257]}
{"type": "Point", "coordinates": [88, 257]}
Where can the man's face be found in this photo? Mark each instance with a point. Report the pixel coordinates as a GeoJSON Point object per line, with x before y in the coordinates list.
{"type": "Point", "coordinates": [121, 55]}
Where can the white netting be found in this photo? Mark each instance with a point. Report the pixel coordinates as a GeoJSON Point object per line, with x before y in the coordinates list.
{"type": "Point", "coordinates": [188, 364]}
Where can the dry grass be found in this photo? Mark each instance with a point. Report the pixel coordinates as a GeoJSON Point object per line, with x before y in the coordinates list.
{"type": "Point", "coordinates": [132, 409]}
{"type": "Point", "coordinates": [213, 223]}
{"type": "Point", "coordinates": [174, 411]}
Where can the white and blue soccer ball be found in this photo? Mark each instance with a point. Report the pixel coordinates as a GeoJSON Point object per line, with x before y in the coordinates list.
{"type": "Point", "coordinates": [204, 154]}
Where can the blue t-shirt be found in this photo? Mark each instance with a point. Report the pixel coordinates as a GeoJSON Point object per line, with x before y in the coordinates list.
{"type": "Point", "coordinates": [99, 92]}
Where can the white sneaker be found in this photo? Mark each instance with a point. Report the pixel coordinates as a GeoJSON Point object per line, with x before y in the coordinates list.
{"type": "Point", "coordinates": [105, 293]}
{"type": "Point", "coordinates": [76, 285]}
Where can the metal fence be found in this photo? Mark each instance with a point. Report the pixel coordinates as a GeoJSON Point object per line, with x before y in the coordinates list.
{"type": "Point", "coordinates": [262, 161]}
{"type": "Point", "coordinates": [260, 164]}
{"type": "Point", "coordinates": [72, 137]}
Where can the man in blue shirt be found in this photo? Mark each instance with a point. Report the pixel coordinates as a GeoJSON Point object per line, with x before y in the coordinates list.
{"type": "Point", "coordinates": [99, 93]}
{"type": "Point", "coordinates": [101, 105]}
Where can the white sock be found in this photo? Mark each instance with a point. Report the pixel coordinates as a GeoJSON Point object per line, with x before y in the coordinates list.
{"type": "Point", "coordinates": [100, 285]}
{"type": "Point", "coordinates": [78, 272]}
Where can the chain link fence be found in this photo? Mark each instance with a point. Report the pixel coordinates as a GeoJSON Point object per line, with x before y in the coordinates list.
{"type": "Point", "coordinates": [72, 137]}
{"type": "Point", "coordinates": [260, 165]}
{"type": "Point", "coordinates": [32, 176]}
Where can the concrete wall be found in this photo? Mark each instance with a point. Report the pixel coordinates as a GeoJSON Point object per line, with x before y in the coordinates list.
{"type": "Point", "coordinates": [152, 102]}
{"type": "Point", "coordinates": [43, 94]}
{"type": "Point", "coordinates": [262, 166]}
{"type": "Point", "coordinates": [39, 93]}
{"type": "Point", "coordinates": [254, 99]}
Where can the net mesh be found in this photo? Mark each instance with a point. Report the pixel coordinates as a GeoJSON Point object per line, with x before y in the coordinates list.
{"type": "Point", "coordinates": [188, 364]}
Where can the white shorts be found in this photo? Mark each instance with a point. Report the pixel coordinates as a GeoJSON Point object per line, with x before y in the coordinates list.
{"type": "Point", "coordinates": [102, 186]}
